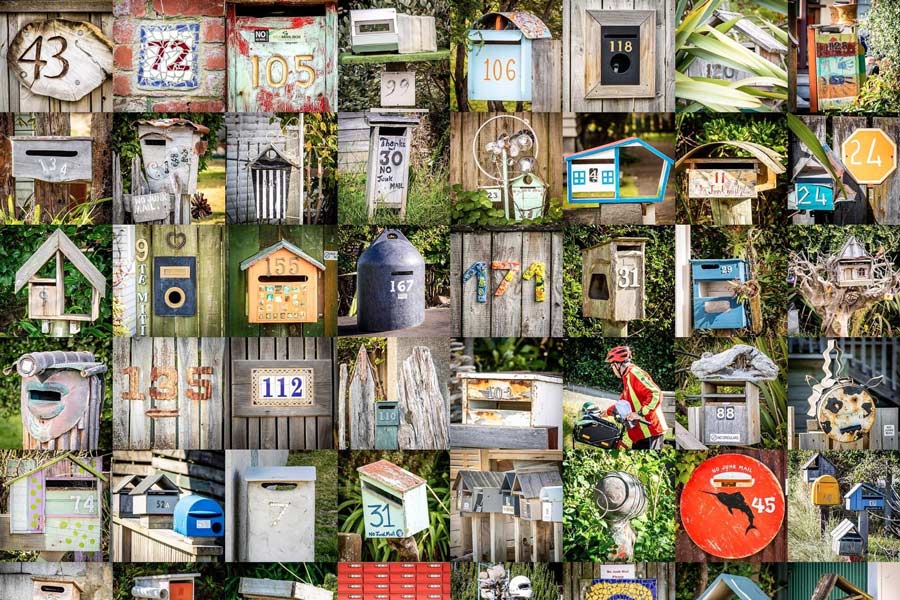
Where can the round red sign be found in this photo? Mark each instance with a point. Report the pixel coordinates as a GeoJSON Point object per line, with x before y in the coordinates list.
{"type": "Point", "coordinates": [732, 506]}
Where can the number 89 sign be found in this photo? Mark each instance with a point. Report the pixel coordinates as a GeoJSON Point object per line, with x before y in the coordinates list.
{"type": "Point", "coordinates": [732, 506]}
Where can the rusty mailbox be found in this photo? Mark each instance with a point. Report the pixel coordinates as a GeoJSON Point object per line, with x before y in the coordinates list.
{"type": "Point", "coordinates": [170, 153]}
{"type": "Point", "coordinates": [54, 159]}
{"type": "Point", "coordinates": [612, 280]}
{"type": "Point", "coordinates": [282, 285]}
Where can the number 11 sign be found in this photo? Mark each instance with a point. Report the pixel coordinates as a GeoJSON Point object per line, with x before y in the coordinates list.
{"type": "Point", "coordinates": [870, 155]}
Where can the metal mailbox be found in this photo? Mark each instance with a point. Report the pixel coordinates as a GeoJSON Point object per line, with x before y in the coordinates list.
{"type": "Point", "coordinates": [387, 425]}
{"type": "Point", "coordinates": [170, 153]}
{"type": "Point", "coordinates": [730, 412]}
{"type": "Point", "coordinates": [179, 586]}
{"type": "Point", "coordinates": [612, 280]}
{"type": "Point", "coordinates": [499, 57]}
{"type": "Point", "coordinates": [510, 501]}
{"type": "Point", "coordinates": [846, 540]}
{"type": "Point", "coordinates": [394, 501]}
{"type": "Point", "coordinates": [155, 495]}
{"type": "Point", "coordinates": [281, 514]}
{"type": "Point", "coordinates": [551, 503]}
{"type": "Point", "coordinates": [528, 486]}
{"type": "Point", "coordinates": [714, 281]}
{"type": "Point", "coordinates": [390, 284]}
{"type": "Point", "coordinates": [527, 192]}
{"type": "Point", "coordinates": [863, 496]}
{"type": "Point", "coordinates": [620, 55]}
{"type": "Point", "coordinates": [282, 285]}
{"type": "Point", "coordinates": [197, 516]}
{"type": "Point", "coordinates": [374, 30]}
{"type": "Point", "coordinates": [45, 587]}
{"type": "Point", "coordinates": [826, 491]}
{"type": "Point", "coordinates": [814, 192]}
{"type": "Point", "coordinates": [54, 159]}
{"type": "Point", "coordinates": [388, 166]}
{"type": "Point", "coordinates": [175, 286]}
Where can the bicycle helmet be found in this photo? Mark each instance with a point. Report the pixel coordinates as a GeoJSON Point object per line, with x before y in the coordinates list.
{"type": "Point", "coordinates": [520, 588]}
{"type": "Point", "coordinates": [618, 354]}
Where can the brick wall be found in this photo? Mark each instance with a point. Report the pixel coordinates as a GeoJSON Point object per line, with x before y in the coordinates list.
{"type": "Point", "coordinates": [202, 72]}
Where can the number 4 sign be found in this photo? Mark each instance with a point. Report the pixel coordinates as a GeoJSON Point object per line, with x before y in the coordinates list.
{"type": "Point", "coordinates": [870, 155]}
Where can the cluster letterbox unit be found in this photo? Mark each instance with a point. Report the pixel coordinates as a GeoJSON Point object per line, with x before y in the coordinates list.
{"type": "Point", "coordinates": [170, 153]}
{"type": "Point", "coordinates": [281, 513]}
{"type": "Point", "coordinates": [478, 491]}
{"type": "Point", "coordinates": [714, 287]}
{"type": "Point", "coordinates": [274, 589]}
{"type": "Point", "coordinates": [394, 501]}
{"type": "Point", "coordinates": [387, 425]}
{"type": "Point", "coordinates": [179, 586]}
{"type": "Point", "coordinates": [196, 516]}
{"type": "Point", "coordinates": [393, 581]}
{"type": "Point", "coordinates": [46, 587]}
{"type": "Point", "coordinates": [54, 159]}
{"type": "Point", "coordinates": [385, 30]}
{"type": "Point", "coordinates": [612, 280]}
{"type": "Point", "coordinates": [282, 285]}
{"type": "Point", "coordinates": [528, 486]}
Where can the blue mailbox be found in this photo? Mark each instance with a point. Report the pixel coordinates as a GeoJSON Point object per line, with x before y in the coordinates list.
{"type": "Point", "coordinates": [197, 516]}
{"type": "Point", "coordinates": [601, 175]}
{"type": "Point", "coordinates": [814, 192]}
{"type": "Point", "coordinates": [500, 55]}
{"type": "Point", "coordinates": [863, 496]}
{"type": "Point", "coordinates": [715, 306]}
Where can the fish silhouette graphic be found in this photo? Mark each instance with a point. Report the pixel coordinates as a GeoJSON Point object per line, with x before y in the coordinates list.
{"type": "Point", "coordinates": [735, 501]}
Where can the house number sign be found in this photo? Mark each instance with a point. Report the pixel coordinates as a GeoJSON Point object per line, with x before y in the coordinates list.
{"type": "Point", "coordinates": [164, 383]}
{"type": "Point", "coordinates": [536, 270]}
{"type": "Point", "coordinates": [281, 387]}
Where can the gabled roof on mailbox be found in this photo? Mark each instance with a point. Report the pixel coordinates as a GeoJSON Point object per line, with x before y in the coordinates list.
{"type": "Point", "coordinates": [391, 476]}
{"type": "Point", "coordinates": [58, 241]}
{"type": "Point", "coordinates": [845, 527]}
{"type": "Point", "coordinates": [160, 479]}
{"type": "Point", "coordinates": [726, 586]}
{"type": "Point", "coordinates": [278, 246]}
{"type": "Point", "coordinates": [174, 122]}
{"type": "Point", "coordinates": [530, 26]}
{"type": "Point", "coordinates": [529, 485]}
{"type": "Point", "coordinates": [262, 159]}
{"type": "Point", "coordinates": [862, 488]}
{"type": "Point", "coordinates": [814, 460]}
{"type": "Point", "coordinates": [130, 481]}
{"type": "Point", "coordinates": [853, 249]}
{"type": "Point", "coordinates": [478, 479]}
{"type": "Point", "coordinates": [65, 456]}
{"type": "Point", "coordinates": [627, 142]}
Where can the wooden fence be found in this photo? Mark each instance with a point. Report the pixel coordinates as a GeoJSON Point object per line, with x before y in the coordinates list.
{"type": "Point", "coordinates": [516, 310]}
{"type": "Point", "coordinates": [577, 578]}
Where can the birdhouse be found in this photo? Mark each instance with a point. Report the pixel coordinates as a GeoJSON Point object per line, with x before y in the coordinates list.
{"type": "Point", "coordinates": [816, 466]}
{"type": "Point", "coordinates": [273, 589]}
{"type": "Point", "coordinates": [388, 166]}
{"type": "Point", "coordinates": [863, 496]}
{"type": "Point", "coordinates": [387, 424]}
{"type": "Point", "coordinates": [551, 503]}
{"type": "Point", "coordinates": [478, 491]}
{"type": "Point", "coordinates": [527, 487]}
{"type": "Point", "coordinates": [175, 286]}
{"type": "Point", "coordinates": [394, 501]}
{"type": "Point", "coordinates": [727, 586]}
{"type": "Point", "coordinates": [714, 286]}
{"type": "Point", "coordinates": [45, 587]}
{"type": "Point", "coordinates": [281, 513]}
{"type": "Point", "coordinates": [179, 586]}
{"type": "Point", "coordinates": [196, 516]}
{"type": "Point", "coordinates": [513, 400]}
{"type": "Point", "coordinates": [730, 412]}
{"type": "Point", "coordinates": [282, 285]}
{"type": "Point", "coordinates": [374, 30]}
{"type": "Point", "coordinates": [54, 159]}
{"type": "Point", "coordinates": [527, 192]}
{"type": "Point", "coordinates": [270, 175]}
{"type": "Point", "coordinates": [61, 399]}
{"type": "Point", "coordinates": [826, 491]}
{"type": "Point", "coordinates": [58, 501]}
{"type": "Point", "coordinates": [500, 55]}
{"type": "Point", "coordinates": [170, 154]}
{"type": "Point", "coordinates": [510, 501]}
{"type": "Point", "coordinates": [47, 296]}
{"type": "Point", "coordinates": [722, 177]}
{"type": "Point", "coordinates": [846, 540]}
{"type": "Point", "coordinates": [155, 495]}
{"type": "Point", "coordinates": [813, 185]}
{"type": "Point", "coordinates": [597, 175]}
{"type": "Point", "coordinates": [854, 267]}
{"type": "Point", "coordinates": [623, 62]}
{"type": "Point", "coordinates": [612, 280]}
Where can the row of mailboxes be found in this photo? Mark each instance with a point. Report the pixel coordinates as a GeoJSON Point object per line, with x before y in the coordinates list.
{"type": "Point", "coordinates": [198, 516]}
{"type": "Point", "coordinates": [45, 587]}
{"type": "Point", "coordinates": [714, 285]}
{"type": "Point", "coordinates": [281, 513]}
{"type": "Point", "coordinates": [179, 586]}
{"type": "Point", "coordinates": [395, 502]}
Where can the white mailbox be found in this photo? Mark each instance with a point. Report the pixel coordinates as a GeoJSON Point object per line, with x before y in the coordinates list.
{"type": "Point", "coordinates": [170, 153]}
{"type": "Point", "coordinates": [394, 500]}
{"type": "Point", "coordinates": [374, 30]}
{"type": "Point", "coordinates": [155, 495]}
{"type": "Point", "coordinates": [179, 586]}
{"type": "Point", "coordinates": [281, 514]}
{"type": "Point", "coordinates": [551, 503]}
{"type": "Point", "coordinates": [55, 588]}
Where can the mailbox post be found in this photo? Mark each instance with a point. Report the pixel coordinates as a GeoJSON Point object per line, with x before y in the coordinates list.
{"type": "Point", "coordinates": [281, 514]}
{"type": "Point", "coordinates": [394, 501]}
{"type": "Point", "coordinates": [388, 168]}
{"type": "Point", "coordinates": [612, 282]}
{"type": "Point", "coordinates": [714, 281]}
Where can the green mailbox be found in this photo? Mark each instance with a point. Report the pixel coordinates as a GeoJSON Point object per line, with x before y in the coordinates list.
{"type": "Point", "coordinates": [387, 421]}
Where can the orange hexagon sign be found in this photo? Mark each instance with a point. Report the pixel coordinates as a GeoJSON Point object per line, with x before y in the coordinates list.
{"type": "Point", "coordinates": [732, 506]}
{"type": "Point", "coordinates": [870, 155]}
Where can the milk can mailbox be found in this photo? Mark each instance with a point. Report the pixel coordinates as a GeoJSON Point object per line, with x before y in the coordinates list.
{"type": "Point", "coordinates": [714, 283]}
{"type": "Point", "coordinates": [281, 513]}
{"type": "Point", "coordinates": [387, 424]}
{"type": "Point", "coordinates": [500, 60]}
{"type": "Point", "coordinates": [170, 153]}
{"type": "Point", "coordinates": [390, 284]}
{"type": "Point", "coordinates": [612, 280]}
{"type": "Point", "coordinates": [179, 586]}
{"type": "Point", "coordinates": [394, 501]}
{"type": "Point", "coordinates": [55, 588]}
{"type": "Point", "coordinates": [197, 516]}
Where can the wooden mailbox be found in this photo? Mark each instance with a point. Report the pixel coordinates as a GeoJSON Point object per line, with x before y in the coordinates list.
{"type": "Point", "coordinates": [551, 503]}
{"type": "Point", "coordinates": [155, 495]}
{"type": "Point", "coordinates": [816, 466]}
{"type": "Point", "coordinates": [863, 496]}
{"type": "Point", "coordinates": [837, 66]}
{"type": "Point", "coordinates": [625, 66]}
{"type": "Point", "coordinates": [170, 153]}
{"type": "Point", "coordinates": [46, 587]}
{"type": "Point", "coordinates": [730, 412]}
{"type": "Point", "coordinates": [270, 175]}
{"type": "Point", "coordinates": [179, 586]}
{"type": "Point", "coordinates": [281, 514]}
{"type": "Point", "coordinates": [282, 62]}
{"type": "Point", "coordinates": [47, 296]}
{"type": "Point", "coordinates": [478, 491]}
{"type": "Point", "coordinates": [54, 159]}
{"type": "Point", "coordinates": [854, 267]}
{"type": "Point", "coordinates": [122, 501]}
{"type": "Point", "coordinates": [274, 589]}
{"type": "Point", "coordinates": [499, 55]}
{"type": "Point", "coordinates": [281, 388]}
{"type": "Point", "coordinates": [527, 487]}
{"type": "Point", "coordinates": [846, 540]}
{"type": "Point", "coordinates": [61, 400]}
{"type": "Point", "coordinates": [510, 501]}
{"type": "Point", "coordinates": [283, 285]}
{"type": "Point", "coordinates": [387, 424]}
{"type": "Point", "coordinates": [612, 280]}
{"type": "Point", "coordinates": [595, 176]}
{"type": "Point", "coordinates": [388, 167]}
{"type": "Point", "coordinates": [394, 501]}
{"type": "Point", "coordinates": [826, 491]}
{"type": "Point", "coordinates": [59, 499]}
{"type": "Point", "coordinates": [714, 282]}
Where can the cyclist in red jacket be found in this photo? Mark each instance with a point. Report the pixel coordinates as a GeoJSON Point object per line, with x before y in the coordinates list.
{"type": "Point", "coordinates": [644, 397]}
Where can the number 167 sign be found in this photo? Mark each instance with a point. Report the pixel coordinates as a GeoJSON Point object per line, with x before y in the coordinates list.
{"type": "Point", "coordinates": [870, 155]}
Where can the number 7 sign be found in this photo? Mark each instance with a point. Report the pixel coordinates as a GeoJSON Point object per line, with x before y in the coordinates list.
{"type": "Point", "coordinates": [870, 155]}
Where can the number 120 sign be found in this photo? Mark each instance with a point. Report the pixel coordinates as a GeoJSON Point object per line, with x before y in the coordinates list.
{"type": "Point", "coordinates": [870, 155]}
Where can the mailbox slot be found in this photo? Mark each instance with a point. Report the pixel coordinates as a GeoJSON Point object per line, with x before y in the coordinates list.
{"type": "Point", "coordinates": [54, 159]}
{"type": "Point", "coordinates": [279, 501]}
{"type": "Point", "coordinates": [175, 286]}
{"type": "Point", "coordinates": [387, 422]}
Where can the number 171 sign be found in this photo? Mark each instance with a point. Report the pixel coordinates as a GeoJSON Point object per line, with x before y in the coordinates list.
{"type": "Point", "coordinates": [870, 155]}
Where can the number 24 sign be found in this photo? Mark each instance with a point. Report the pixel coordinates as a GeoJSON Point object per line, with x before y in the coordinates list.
{"type": "Point", "coordinates": [870, 155]}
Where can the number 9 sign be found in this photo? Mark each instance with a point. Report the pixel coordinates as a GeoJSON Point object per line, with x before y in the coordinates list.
{"type": "Point", "coordinates": [870, 155]}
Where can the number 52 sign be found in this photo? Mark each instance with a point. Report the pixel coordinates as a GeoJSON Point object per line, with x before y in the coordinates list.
{"type": "Point", "coordinates": [870, 155]}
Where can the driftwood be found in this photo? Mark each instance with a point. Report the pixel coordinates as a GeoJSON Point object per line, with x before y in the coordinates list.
{"type": "Point", "coordinates": [423, 410]}
{"type": "Point", "coordinates": [362, 399]}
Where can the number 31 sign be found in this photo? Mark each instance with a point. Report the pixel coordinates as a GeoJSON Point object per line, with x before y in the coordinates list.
{"type": "Point", "coordinates": [870, 155]}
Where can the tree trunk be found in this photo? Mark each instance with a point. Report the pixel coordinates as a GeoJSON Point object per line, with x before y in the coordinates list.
{"type": "Point", "coordinates": [7, 184]}
{"type": "Point", "coordinates": [461, 80]}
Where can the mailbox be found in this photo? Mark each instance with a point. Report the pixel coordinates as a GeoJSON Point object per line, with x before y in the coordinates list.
{"type": "Point", "coordinates": [620, 55]}
{"type": "Point", "coordinates": [854, 267]}
{"type": "Point", "coordinates": [625, 66]}
{"type": "Point", "coordinates": [863, 496]}
{"type": "Point", "coordinates": [816, 466]}
{"type": "Point", "coordinates": [612, 280]}
{"type": "Point", "coordinates": [275, 589]}
{"type": "Point", "coordinates": [387, 424]}
{"type": "Point", "coordinates": [374, 30]}
{"type": "Point", "coordinates": [179, 586]}
{"type": "Point", "coordinates": [175, 286]}
{"type": "Point", "coordinates": [527, 193]}
{"type": "Point", "coordinates": [527, 487]}
{"type": "Point", "coordinates": [170, 153]}
{"type": "Point", "coordinates": [394, 501]}
{"type": "Point", "coordinates": [54, 159]}
{"type": "Point", "coordinates": [388, 167]}
{"type": "Point", "coordinates": [714, 283]}
{"type": "Point", "coordinates": [814, 192]}
{"type": "Point", "coordinates": [730, 412]}
{"type": "Point", "coordinates": [123, 502]}
{"type": "Point", "coordinates": [196, 516]}
{"type": "Point", "coordinates": [595, 175]}
{"type": "Point", "coordinates": [281, 514]}
{"type": "Point", "coordinates": [499, 56]}
{"type": "Point", "coordinates": [551, 503]}
{"type": "Point", "coordinates": [478, 491]}
{"type": "Point", "coordinates": [155, 495]}
{"type": "Point", "coordinates": [826, 491]}
{"type": "Point", "coordinates": [282, 285]}
{"type": "Point", "coordinates": [510, 502]}
{"type": "Point", "coordinates": [270, 173]}
{"type": "Point", "coordinates": [846, 540]}
{"type": "Point", "coordinates": [45, 587]}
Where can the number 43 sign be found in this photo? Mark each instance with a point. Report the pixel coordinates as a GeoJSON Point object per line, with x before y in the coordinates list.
{"type": "Point", "coordinates": [870, 155]}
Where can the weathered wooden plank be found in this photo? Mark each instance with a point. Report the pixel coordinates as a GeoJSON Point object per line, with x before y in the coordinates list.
{"type": "Point", "coordinates": [536, 316]}
{"type": "Point", "coordinates": [361, 403]}
{"type": "Point", "coordinates": [475, 316]}
{"type": "Point", "coordinates": [164, 363]}
{"type": "Point", "coordinates": [186, 358]}
{"type": "Point", "coordinates": [122, 407]}
{"type": "Point", "coordinates": [210, 282]}
{"type": "Point", "coordinates": [857, 212]}
{"type": "Point", "coordinates": [489, 436]}
{"type": "Point", "coordinates": [506, 309]}
{"type": "Point", "coordinates": [140, 430]}
{"type": "Point", "coordinates": [86, 6]}
{"type": "Point", "coordinates": [210, 412]}
{"type": "Point", "coordinates": [546, 59]}
{"type": "Point", "coordinates": [423, 410]}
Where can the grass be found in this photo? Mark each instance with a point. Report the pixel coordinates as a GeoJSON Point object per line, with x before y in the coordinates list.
{"type": "Point", "coordinates": [211, 183]}
{"type": "Point", "coordinates": [11, 432]}
{"type": "Point", "coordinates": [427, 203]}
{"type": "Point", "coordinates": [325, 462]}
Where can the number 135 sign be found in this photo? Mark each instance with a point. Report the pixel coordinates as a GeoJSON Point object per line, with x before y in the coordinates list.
{"type": "Point", "coordinates": [870, 155]}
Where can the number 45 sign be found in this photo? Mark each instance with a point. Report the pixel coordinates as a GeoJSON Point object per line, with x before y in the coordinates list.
{"type": "Point", "coordinates": [870, 155]}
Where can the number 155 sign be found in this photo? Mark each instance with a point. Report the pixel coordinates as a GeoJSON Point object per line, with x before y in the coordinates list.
{"type": "Point", "coordinates": [870, 155]}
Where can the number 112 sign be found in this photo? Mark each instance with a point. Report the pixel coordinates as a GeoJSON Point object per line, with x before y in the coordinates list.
{"type": "Point", "coordinates": [870, 155]}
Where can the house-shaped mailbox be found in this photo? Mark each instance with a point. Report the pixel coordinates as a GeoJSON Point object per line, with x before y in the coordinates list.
{"type": "Point", "coordinates": [527, 487]}
{"type": "Point", "coordinates": [281, 513]}
{"type": "Point", "coordinates": [816, 466]}
{"type": "Point", "coordinates": [853, 267]}
{"type": "Point", "coordinates": [47, 587]}
{"type": "Point", "coordinates": [813, 185]}
{"type": "Point", "coordinates": [155, 495]}
{"type": "Point", "coordinates": [612, 280]}
{"type": "Point", "coordinates": [727, 586]}
{"type": "Point", "coordinates": [197, 516]}
{"type": "Point", "coordinates": [846, 540]}
{"type": "Point", "coordinates": [387, 425]}
{"type": "Point", "coordinates": [600, 175]}
{"type": "Point", "coordinates": [731, 177]}
{"type": "Point", "coordinates": [274, 589]}
{"type": "Point", "coordinates": [478, 491]}
{"type": "Point", "coordinates": [863, 496]}
{"type": "Point", "coordinates": [551, 503]}
{"type": "Point", "coordinates": [47, 295]}
{"type": "Point", "coordinates": [54, 159]}
{"type": "Point", "coordinates": [826, 491]}
{"type": "Point", "coordinates": [714, 302]}
{"type": "Point", "coordinates": [179, 586]}
{"type": "Point", "coordinates": [57, 501]}
{"type": "Point", "coordinates": [123, 502]}
{"type": "Point", "coordinates": [282, 285]}
{"type": "Point", "coordinates": [510, 501]}
{"type": "Point", "coordinates": [270, 175]}
{"type": "Point", "coordinates": [170, 154]}
{"type": "Point", "coordinates": [394, 500]}
{"type": "Point", "coordinates": [499, 57]}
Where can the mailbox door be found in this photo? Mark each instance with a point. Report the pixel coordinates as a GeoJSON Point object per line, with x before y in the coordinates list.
{"type": "Point", "coordinates": [181, 590]}
{"type": "Point", "coordinates": [389, 166]}
{"type": "Point", "coordinates": [52, 159]}
{"type": "Point", "coordinates": [175, 286]}
{"type": "Point", "coordinates": [383, 512]}
{"type": "Point", "coordinates": [275, 510]}
{"type": "Point", "coordinates": [629, 282]}
{"type": "Point", "coordinates": [42, 301]}
{"type": "Point", "coordinates": [282, 289]}
{"type": "Point", "coordinates": [620, 55]}
{"type": "Point", "coordinates": [282, 64]}
{"type": "Point", "coordinates": [499, 65]}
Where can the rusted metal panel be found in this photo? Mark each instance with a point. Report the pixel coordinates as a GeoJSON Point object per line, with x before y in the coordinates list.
{"type": "Point", "coordinates": [391, 476]}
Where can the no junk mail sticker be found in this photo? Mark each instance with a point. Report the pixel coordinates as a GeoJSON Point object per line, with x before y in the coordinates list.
{"type": "Point", "coordinates": [733, 506]}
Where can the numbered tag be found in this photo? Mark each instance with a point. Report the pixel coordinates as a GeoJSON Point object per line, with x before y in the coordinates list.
{"type": "Point", "coordinates": [812, 196]}
{"type": "Point", "coordinates": [168, 56]}
{"type": "Point", "coordinates": [398, 88]}
{"type": "Point", "coordinates": [281, 387]}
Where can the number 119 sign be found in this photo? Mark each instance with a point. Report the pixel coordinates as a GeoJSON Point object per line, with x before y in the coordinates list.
{"type": "Point", "coordinates": [870, 155]}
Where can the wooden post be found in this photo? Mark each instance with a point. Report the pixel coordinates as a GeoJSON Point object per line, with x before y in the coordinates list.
{"type": "Point", "coordinates": [362, 403]}
{"type": "Point", "coordinates": [683, 309]}
{"type": "Point", "coordinates": [557, 542]}
{"type": "Point", "coordinates": [349, 547]}
{"type": "Point", "coordinates": [465, 535]}
{"type": "Point", "coordinates": [423, 409]}
{"type": "Point", "coordinates": [519, 546]}
{"type": "Point", "coordinates": [498, 537]}
{"type": "Point", "coordinates": [342, 408]}
{"type": "Point", "coordinates": [546, 61]}
{"type": "Point", "coordinates": [823, 517]}
{"type": "Point", "coordinates": [731, 211]}
{"type": "Point", "coordinates": [477, 548]}
{"type": "Point", "coordinates": [615, 328]}
{"type": "Point", "coordinates": [648, 213]}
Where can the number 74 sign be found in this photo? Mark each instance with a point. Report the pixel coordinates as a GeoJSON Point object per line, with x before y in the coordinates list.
{"type": "Point", "coordinates": [870, 155]}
